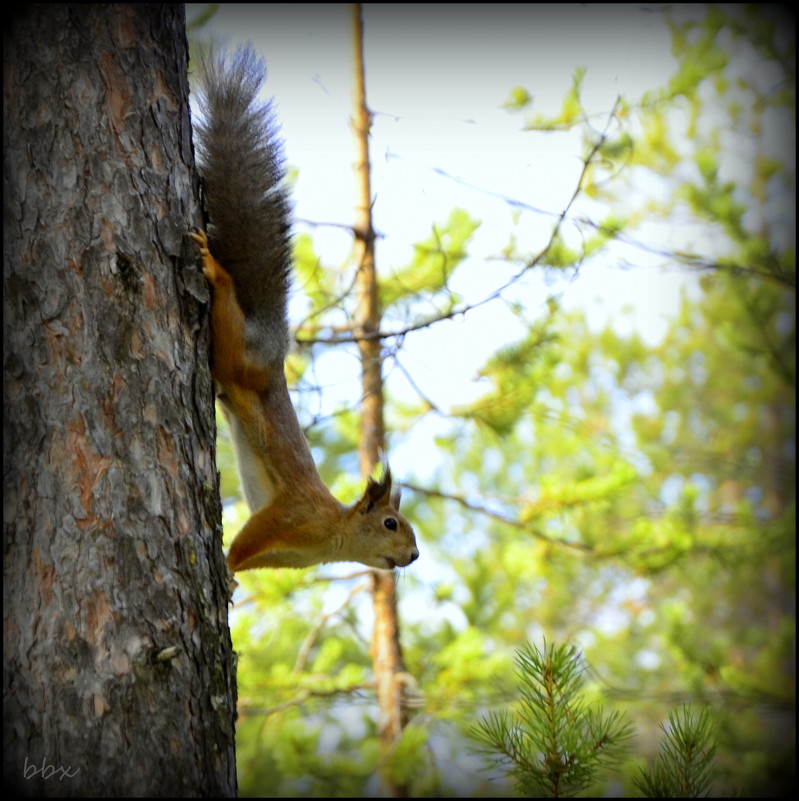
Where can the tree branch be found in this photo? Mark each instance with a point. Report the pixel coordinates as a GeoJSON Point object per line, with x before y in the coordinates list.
{"type": "Point", "coordinates": [304, 696]}
{"type": "Point", "coordinates": [313, 636]}
{"type": "Point", "coordinates": [509, 521]}
{"type": "Point", "coordinates": [456, 312]}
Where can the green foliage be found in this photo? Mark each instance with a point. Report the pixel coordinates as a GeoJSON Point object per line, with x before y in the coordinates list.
{"type": "Point", "coordinates": [571, 111]}
{"type": "Point", "coordinates": [636, 498]}
{"type": "Point", "coordinates": [555, 743]}
{"type": "Point", "coordinates": [433, 264]}
{"type": "Point", "coordinates": [684, 768]}
{"type": "Point", "coordinates": [518, 99]}
{"type": "Point", "coordinates": [515, 372]}
{"type": "Point", "coordinates": [697, 510]}
{"type": "Point", "coordinates": [408, 758]}
{"type": "Point", "coordinates": [319, 285]}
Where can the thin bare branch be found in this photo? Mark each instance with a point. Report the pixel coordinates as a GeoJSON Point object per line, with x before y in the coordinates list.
{"type": "Point", "coordinates": [462, 310]}
{"type": "Point", "coordinates": [509, 521]}
{"type": "Point", "coordinates": [313, 636]}
{"type": "Point", "coordinates": [429, 403]}
{"type": "Point", "coordinates": [304, 696]}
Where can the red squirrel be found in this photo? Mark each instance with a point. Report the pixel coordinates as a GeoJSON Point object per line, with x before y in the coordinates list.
{"type": "Point", "coordinates": [295, 521]}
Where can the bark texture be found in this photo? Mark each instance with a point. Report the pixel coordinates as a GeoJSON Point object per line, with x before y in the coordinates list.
{"type": "Point", "coordinates": [118, 669]}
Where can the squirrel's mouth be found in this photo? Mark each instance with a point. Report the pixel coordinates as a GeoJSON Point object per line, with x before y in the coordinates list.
{"type": "Point", "coordinates": [392, 564]}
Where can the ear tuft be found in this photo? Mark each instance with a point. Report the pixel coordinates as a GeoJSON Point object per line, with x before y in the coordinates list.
{"type": "Point", "coordinates": [376, 492]}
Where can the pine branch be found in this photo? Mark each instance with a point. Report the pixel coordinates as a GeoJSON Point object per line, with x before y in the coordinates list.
{"type": "Point", "coordinates": [684, 768]}
{"type": "Point", "coordinates": [553, 743]}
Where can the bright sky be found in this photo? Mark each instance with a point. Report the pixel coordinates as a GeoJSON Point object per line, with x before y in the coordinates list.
{"type": "Point", "coordinates": [437, 76]}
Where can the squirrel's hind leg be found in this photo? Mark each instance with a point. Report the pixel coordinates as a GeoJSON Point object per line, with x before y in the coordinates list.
{"type": "Point", "coordinates": [231, 363]}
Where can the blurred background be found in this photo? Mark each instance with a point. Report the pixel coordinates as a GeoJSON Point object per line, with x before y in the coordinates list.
{"type": "Point", "coordinates": [586, 248]}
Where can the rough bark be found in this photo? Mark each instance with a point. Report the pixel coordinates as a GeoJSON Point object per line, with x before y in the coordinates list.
{"type": "Point", "coordinates": [118, 668]}
{"type": "Point", "coordinates": [387, 658]}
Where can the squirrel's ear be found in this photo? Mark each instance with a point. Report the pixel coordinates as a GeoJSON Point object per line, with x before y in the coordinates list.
{"type": "Point", "coordinates": [376, 492]}
{"type": "Point", "coordinates": [393, 493]}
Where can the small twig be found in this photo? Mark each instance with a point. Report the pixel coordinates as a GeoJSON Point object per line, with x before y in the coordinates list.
{"type": "Point", "coordinates": [462, 310]}
{"type": "Point", "coordinates": [526, 527]}
{"type": "Point", "coordinates": [310, 640]}
{"type": "Point", "coordinates": [304, 696]}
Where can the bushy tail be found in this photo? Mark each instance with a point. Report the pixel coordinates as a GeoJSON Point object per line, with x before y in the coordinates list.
{"type": "Point", "coordinates": [248, 208]}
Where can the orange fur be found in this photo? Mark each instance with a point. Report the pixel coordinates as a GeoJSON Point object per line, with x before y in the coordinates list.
{"type": "Point", "coordinates": [296, 522]}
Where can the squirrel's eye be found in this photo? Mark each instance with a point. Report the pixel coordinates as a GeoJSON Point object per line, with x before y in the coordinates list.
{"type": "Point", "coordinates": [390, 523]}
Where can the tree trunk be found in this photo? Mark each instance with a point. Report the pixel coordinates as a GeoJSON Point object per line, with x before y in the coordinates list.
{"type": "Point", "coordinates": [118, 669]}
{"type": "Point", "coordinates": [386, 651]}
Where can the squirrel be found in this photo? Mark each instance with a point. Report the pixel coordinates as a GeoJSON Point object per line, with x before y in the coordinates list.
{"type": "Point", "coordinates": [296, 521]}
